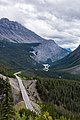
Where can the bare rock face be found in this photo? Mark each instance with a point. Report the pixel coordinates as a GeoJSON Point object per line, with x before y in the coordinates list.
{"type": "Point", "coordinates": [14, 32]}
{"type": "Point", "coordinates": [48, 51]}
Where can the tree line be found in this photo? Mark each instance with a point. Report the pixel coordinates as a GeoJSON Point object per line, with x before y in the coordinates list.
{"type": "Point", "coordinates": [63, 93]}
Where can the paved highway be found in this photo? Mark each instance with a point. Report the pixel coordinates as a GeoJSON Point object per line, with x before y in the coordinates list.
{"type": "Point", "coordinates": [24, 93]}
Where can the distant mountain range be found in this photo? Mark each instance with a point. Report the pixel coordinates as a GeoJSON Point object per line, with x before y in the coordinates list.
{"type": "Point", "coordinates": [46, 51]}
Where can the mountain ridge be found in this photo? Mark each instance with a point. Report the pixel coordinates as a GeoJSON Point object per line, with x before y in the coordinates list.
{"type": "Point", "coordinates": [15, 32]}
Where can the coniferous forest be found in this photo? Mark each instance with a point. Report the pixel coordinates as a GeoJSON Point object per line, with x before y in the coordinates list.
{"type": "Point", "coordinates": [63, 93]}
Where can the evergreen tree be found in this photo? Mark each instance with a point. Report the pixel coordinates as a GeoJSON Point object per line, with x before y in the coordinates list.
{"type": "Point", "coordinates": [7, 111]}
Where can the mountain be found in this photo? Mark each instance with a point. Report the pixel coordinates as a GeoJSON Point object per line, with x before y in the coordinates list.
{"type": "Point", "coordinates": [15, 32]}
{"type": "Point", "coordinates": [69, 63]}
{"type": "Point", "coordinates": [45, 52]}
{"type": "Point", "coordinates": [48, 51]}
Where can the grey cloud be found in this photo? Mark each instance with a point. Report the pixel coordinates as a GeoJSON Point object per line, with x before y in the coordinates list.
{"type": "Point", "coordinates": [65, 9]}
{"type": "Point", "coordinates": [56, 19]}
{"type": "Point", "coordinates": [3, 3]}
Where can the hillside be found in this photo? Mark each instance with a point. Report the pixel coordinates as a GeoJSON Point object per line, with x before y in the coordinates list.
{"type": "Point", "coordinates": [63, 93]}
{"type": "Point", "coordinates": [70, 61]}
{"type": "Point", "coordinates": [16, 56]}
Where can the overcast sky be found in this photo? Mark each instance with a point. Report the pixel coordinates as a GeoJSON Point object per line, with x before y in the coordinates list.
{"type": "Point", "coordinates": [55, 19]}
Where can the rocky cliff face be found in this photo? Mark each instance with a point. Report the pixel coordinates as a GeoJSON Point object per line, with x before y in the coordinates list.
{"type": "Point", "coordinates": [15, 32]}
{"type": "Point", "coordinates": [48, 51]}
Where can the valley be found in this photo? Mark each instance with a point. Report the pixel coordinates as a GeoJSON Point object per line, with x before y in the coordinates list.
{"type": "Point", "coordinates": [48, 86]}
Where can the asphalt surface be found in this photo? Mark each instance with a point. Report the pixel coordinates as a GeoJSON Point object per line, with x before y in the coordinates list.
{"type": "Point", "coordinates": [24, 94]}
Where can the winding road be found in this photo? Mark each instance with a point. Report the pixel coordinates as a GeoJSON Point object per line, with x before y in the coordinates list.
{"type": "Point", "coordinates": [24, 93]}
